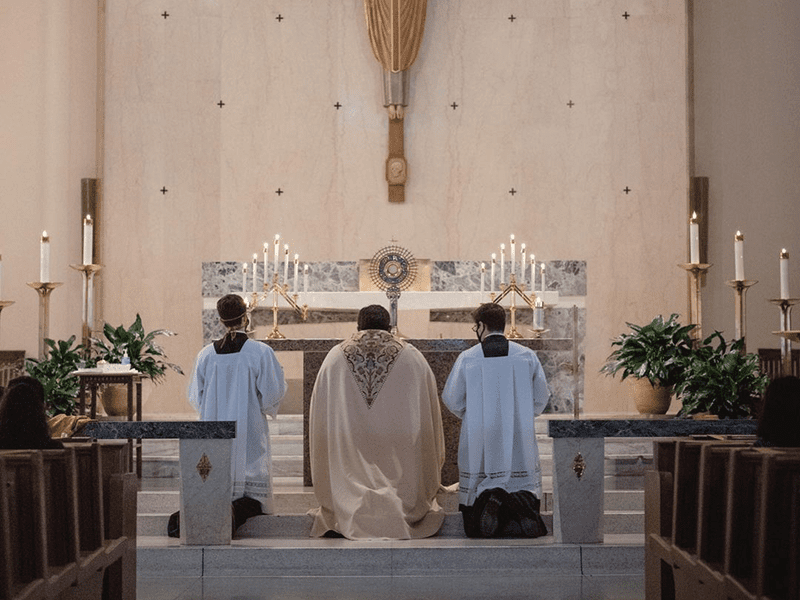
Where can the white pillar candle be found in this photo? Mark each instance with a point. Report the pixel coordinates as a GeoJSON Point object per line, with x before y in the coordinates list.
{"type": "Point", "coordinates": [296, 267]}
{"type": "Point", "coordinates": [523, 265]}
{"type": "Point", "coordinates": [533, 272]}
{"type": "Point", "coordinates": [88, 239]}
{"type": "Point", "coordinates": [784, 274]}
{"type": "Point", "coordinates": [694, 240]}
{"type": "Point", "coordinates": [244, 277]}
{"type": "Point", "coordinates": [277, 250]}
{"type": "Point", "coordinates": [305, 278]}
{"type": "Point", "coordinates": [285, 264]}
{"type": "Point", "coordinates": [738, 256]}
{"type": "Point", "coordinates": [44, 258]}
{"type": "Point", "coordinates": [513, 256]}
{"type": "Point", "coordinates": [266, 260]}
{"type": "Point", "coordinates": [543, 285]}
{"type": "Point", "coordinates": [483, 277]}
{"type": "Point", "coordinates": [502, 263]}
{"type": "Point", "coordinates": [255, 264]}
{"type": "Point", "coordinates": [491, 276]}
{"type": "Point", "coordinates": [538, 314]}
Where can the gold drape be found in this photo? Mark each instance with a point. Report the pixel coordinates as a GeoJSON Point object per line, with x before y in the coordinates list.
{"type": "Point", "coordinates": [395, 31]}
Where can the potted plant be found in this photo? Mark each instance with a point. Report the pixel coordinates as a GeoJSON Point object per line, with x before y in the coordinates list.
{"type": "Point", "coordinates": [54, 372]}
{"type": "Point", "coordinates": [140, 348]}
{"type": "Point", "coordinates": [654, 354]}
{"type": "Point", "coordinates": [720, 380]}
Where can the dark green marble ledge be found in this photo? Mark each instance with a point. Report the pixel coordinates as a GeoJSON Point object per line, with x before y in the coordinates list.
{"type": "Point", "coordinates": [184, 430]}
{"type": "Point", "coordinates": [648, 427]}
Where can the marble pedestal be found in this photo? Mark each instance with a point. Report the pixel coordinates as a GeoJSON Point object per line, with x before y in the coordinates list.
{"type": "Point", "coordinates": [206, 492]}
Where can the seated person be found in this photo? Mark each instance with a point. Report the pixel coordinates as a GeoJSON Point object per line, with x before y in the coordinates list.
{"type": "Point", "coordinates": [497, 387]}
{"type": "Point", "coordinates": [23, 419]}
{"type": "Point", "coordinates": [377, 444]}
{"type": "Point", "coordinates": [779, 420]}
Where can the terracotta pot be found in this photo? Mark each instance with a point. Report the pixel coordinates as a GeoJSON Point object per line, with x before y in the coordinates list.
{"type": "Point", "coordinates": [115, 400]}
{"type": "Point", "coordinates": [649, 399]}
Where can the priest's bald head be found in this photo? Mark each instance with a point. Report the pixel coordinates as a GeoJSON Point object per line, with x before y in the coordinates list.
{"type": "Point", "coordinates": [492, 315]}
{"type": "Point", "coordinates": [374, 316]}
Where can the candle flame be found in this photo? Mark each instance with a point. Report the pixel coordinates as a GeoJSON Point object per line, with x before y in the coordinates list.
{"type": "Point", "coordinates": [277, 237]}
{"type": "Point", "coordinates": [784, 253]}
{"type": "Point", "coordinates": [739, 237]}
{"type": "Point", "coordinates": [494, 256]}
{"type": "Point", "coordinates": [266, 246]}
{"type": "Point", "coordinates": [286, 248]}
{"type": "Point", "coordinates": [44, 236]}
{"type": "Point", "coordinates": [502, 246]}
{"type": "Point", "coordinates": [255, 257]}
{"type": "Point", "coordinates": [296, 256]}
{"type": "Point", "coordinates": [244, 267]}
{"type": "Point", "coordinates": [88, 219]}
{"type": "Point", "coordinates": [694, 216]}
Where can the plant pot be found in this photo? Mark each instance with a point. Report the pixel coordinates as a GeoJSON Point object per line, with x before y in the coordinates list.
{"type": "Point", "coordinates": [115, 400]}
{"type": "Point", "coordinates": [650, 399]}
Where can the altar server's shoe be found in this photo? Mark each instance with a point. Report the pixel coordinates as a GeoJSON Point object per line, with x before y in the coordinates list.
{"type": "Point", "coordinates": [490, 513]}
{"type": "Point", "coordinates": [524, 508]}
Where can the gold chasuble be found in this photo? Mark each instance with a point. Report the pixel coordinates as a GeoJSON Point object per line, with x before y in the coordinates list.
{"type": "Point", "coordinates": [395, 30]}
{"type": "Point", "coordinates": [376, 440]}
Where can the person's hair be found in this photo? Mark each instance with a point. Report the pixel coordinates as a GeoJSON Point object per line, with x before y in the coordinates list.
{"type": "Point", "coordinates": [23, 420]}
{"type": "Point", "coordinates": [492, 315]}
{"type": "Point", "coordinates": [374, 316]}
{"type": "Point", "coordinates": [232, 310]}
{"type": "Point", "coordinates": [779, 420]}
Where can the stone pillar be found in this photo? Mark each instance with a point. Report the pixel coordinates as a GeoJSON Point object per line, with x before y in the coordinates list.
{"type": "Point", "coordinates": [206, 491]}
{"type": "Point", "coordinates": [578, 486]}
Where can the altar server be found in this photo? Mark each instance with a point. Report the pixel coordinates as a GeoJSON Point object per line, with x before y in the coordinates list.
{"type": "Point", "coordinates": [497, 388]}
{"type": "Point", "coordinates": [377, 445]}
{"type": "Point", "coordinates": [239, 379]}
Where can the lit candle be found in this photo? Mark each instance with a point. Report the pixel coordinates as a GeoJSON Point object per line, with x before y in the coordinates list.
{"type": "Point", "coordinates": [266, 253]}
{"type": "Point", "coordinates": [277, 250]}
{"type": "Point", "coordinates": [296, 266]}
{"type": "Point", "coordinates": [694, 240]}
{"type": "Point", "coordinates": [285, 264]}
{"type": "Point", "coordinates": [533, 272]}
{"type": "Point", "coordinates": [88, 239]}
{"type": "Point", "coordinates": [738, 256]}
{"type": "Point", "coordinates": [305, 278]}
{"type": "Point", "coordinates": [523, 265]}
{"type": "Point", "coordinates": [491, 276]}
{"type": "Point", "coordinates": [483, 277]}
{"type": "Point", "coordinates": [502, 263]}
{"type": "Point", "coordinates": [513, 256]}
{"type": "Point", "coordinates": [255, 263]}
{"type": "Point", "coordinates": [44, 258]}
{"type": "Point", "coordinates": [541, 267]}
{"type": "Point", "coordinates": [784, 274]}
{"type": "Point", "coordinates": [244, 277]}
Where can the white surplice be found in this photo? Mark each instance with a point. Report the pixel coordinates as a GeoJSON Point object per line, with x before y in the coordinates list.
{"type": "Point", "coordinates": [243, 386]}
{"type": "Point", "coordinates": [377, 444]}
{"type": "Point", "coordinates": [497, 399]}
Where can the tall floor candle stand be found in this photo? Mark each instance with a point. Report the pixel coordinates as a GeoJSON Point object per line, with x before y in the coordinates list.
{"type": "Point", "coordinates": [740, 286]}
{"type": "Point", "coordinates": [88, 272]}
{"type": "Point", "coordinates": [44, 288]}
{"type": "Point", "coordinates": [4, 303]}
{"type": "Point", "coordinates": [786, 332]}
{"type": "Point", "coordinates": [695, 306]}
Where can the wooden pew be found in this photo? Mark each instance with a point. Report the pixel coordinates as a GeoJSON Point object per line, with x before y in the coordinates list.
{"type": "Point", "coordinates": [69, 523]}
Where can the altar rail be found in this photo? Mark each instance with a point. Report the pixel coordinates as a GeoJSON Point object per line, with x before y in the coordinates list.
{"type": "Point", "coordinates": [68, 523]}
{"type": "Point", "coordinates": [722, 520]}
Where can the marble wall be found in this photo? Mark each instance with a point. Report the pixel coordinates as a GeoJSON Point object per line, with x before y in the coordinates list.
{"type": "Point", "coordinates": [229, 121]}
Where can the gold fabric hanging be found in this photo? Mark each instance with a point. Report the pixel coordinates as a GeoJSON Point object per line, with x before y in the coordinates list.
{"type": "Point", "coordinates": [395, 31]}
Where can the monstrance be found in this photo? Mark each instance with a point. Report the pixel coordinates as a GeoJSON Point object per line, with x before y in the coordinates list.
{"type": "Point", "coordinates": [393, 269]}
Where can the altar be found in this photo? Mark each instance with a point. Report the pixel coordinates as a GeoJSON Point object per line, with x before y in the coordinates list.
{"type": "Point", "coordinates": [554, 354]}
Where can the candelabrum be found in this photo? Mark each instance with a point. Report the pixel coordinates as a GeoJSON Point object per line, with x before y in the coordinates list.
{"type": "Point", "coordinates": [87, 314]}
{"type": "Point", "coordinates": [786, 333]}
{"type": "Point", "coordinates": [44, 288]}
{"type": "Point", "coordinates": [740, 287]}
{"type": "Point", "coordinates": [276, 289]}
{"type": "Point", "coordinates": [695, 301]}
{"type": "Point", "coordinates": [514, 290]}
{"type": "Point", "coordinates": [4, 303]}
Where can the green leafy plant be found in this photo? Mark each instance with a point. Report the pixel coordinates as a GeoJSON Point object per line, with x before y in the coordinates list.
{"type": "Point", "coordinates": [53, 372]}
{"type": "Point", "coordinates": [720, 380]}
{"type": "Point", "coordinates": [656, 351]}
{"type": "Point", "coordinates": [145, 355]}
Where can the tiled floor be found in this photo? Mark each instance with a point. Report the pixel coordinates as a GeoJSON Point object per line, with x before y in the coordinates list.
{"type": "Point", "coordinates": [555, 587]}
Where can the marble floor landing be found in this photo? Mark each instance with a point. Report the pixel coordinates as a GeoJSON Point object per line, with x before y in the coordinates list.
{"type": "Point", "coordinates": [544, 587]}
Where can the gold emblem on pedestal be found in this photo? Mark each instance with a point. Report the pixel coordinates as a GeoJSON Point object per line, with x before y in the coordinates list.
{"type": "Point", "coordinates": [579, 465]}
{"type": "Point", "coordinates": [204, 467]}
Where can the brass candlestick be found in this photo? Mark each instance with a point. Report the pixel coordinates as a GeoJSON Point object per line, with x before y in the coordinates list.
{"type": "Point", "coordinates": [283, 290]}
{"type": "Point", "coordinates": [87, 313]}
{"type": "Point", "coordinates": [740, 286]}
{"type": "Point", "coordinates": [786, 332]}
{"type": "Point", "coordinates": [44, 288]}
{"type": "Point", "coordinates": [4, 303]}
{"type": "Point", "coordinates": [513, 289]}
{"type": "Point", "coordinates": [695, 304]}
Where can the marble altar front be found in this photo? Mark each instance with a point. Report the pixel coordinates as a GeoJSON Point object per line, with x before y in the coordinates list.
{"type": "Point", "coordinates": [555, 355]}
